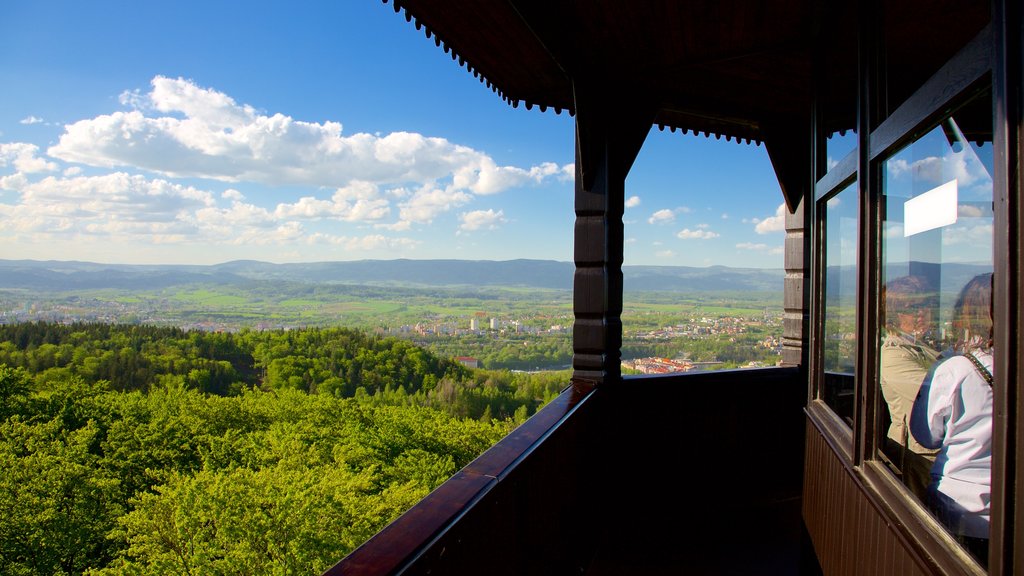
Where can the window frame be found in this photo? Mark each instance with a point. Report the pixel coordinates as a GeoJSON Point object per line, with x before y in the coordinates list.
{"type": "Point", "coordinates": [970, 71]}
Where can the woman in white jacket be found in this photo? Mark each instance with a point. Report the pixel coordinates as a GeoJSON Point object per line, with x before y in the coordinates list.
{"type": "Point", "coordinates": [953, 413]}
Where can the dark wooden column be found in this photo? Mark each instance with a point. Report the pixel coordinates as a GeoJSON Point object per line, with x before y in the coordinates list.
{"type": "Point", "coordinates": [609, 134]}
{"type": "Point", "coordinates": [1008, 243]}
{"type": "Point", "coordinates": [789, 143]}
{"type": "Point", "coordinates": [796, 308]}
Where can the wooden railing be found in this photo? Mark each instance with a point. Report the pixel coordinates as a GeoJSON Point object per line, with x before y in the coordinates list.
{"type": "Point", "coordinates": [584, 486]}
{"type": "Point", "coordinates": [493, 505]}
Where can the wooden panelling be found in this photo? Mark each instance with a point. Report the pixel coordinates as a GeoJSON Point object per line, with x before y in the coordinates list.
{"type": "Point", "coordinates": [682, 474]}
{"type": "Point", "coordinates": [705, 476]}
{"type": "Point", "coordinates": [850, 536]}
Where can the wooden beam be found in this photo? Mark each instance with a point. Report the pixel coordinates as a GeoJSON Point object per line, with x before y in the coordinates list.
{"type": "Point", "coordinates": [609, 134]}
{"type": "Point", "coordinates": [788, 142]}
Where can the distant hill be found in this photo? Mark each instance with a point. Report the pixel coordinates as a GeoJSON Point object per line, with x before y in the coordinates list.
{"type": "Point", "coordinates": [59, 276]}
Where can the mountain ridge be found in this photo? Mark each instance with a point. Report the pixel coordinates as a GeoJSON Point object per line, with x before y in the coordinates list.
{"type": "Point", "coordinates": [57, 275]}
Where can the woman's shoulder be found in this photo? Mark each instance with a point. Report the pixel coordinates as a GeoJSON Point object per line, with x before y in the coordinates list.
{"type": "Point", "coordinates": [961, 363]}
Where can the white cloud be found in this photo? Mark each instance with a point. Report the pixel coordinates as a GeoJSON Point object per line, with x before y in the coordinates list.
{"type": "Point", "coordinates": [13, 182]}
{"type": "Point", "coordinates": [22, 157]}
{"type": "Point", "coordinates": [477, 219]}
{"type": "Point", "coordinates": [360, 201]}
{"type": "Point", "coordinates": [893, 230]}
{"type": "Point", "coordinates": [30, 120]}
{"type": "Point", "coordinates": [975, 236]}
{"type": "Point", "coordinates": [969, 211]}
{"type": "Point", "coordinates": [776, 223]}
{"type": "Point", "coordinates": [183, 130]}
{"type": "Point", "coordinates": [632, 202]}
{"type": "Point", "coordinates": [364, 243]}
{"type": "Point", "coordinates": [760, 247]}
{"type": "Point", "coordinates": [482, 176]}
{"type": "Point", "coordinates": [701, 233]}
{"type": "Point", "coordinates": [964, 166]}
{"type": "Point", "coordinates": [665, 254]}
{"type": "Point", "coordinates": [179, 129]}
{"type": "Point", "coordinates": [663, 216]}
{"type": "Point", "coordinates": [131, 209]}
{"type": "Point", "coordinates": [114, 202]}
{"type": "Point", "coordinates": [725, 216]}
{"type": "Point", "coordinates": [428, 202]}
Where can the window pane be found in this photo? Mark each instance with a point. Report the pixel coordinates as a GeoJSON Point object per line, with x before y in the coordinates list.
{"type": "Point", "coordinates": [935, 408]}
{"type": "Point", "coordinates": [840, 306]}
{"type": "Point", "coordinates": [838, 146]}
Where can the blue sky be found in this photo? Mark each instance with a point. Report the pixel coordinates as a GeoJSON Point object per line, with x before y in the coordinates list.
{"type": "Point", "coordinates": [203, 132]}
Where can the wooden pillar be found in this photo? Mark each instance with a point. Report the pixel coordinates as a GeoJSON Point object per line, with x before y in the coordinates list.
{"type": "Point", "coordinates": [1007, 554]}
{"type": "Point", "coordinates": [609, 134]}
{"type": "Point", "coordinates": [796, 308]}
{"type": "Point", "coordinates": [789, 143]}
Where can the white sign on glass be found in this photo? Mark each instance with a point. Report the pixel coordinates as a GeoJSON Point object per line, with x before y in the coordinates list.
{"type": "Point", "coordinates": [933, 209]}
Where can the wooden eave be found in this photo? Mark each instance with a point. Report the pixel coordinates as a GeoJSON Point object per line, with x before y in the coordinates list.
{"type": "Point", "coordinates": [724, 68]}
{"type": "Point", "coordinates": [695, 61]}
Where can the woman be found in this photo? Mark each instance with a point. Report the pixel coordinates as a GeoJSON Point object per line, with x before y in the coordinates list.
{"type": "Point", "coordinates": [953, 412]}
{"type": "Point", "coordinates": [905, 357]}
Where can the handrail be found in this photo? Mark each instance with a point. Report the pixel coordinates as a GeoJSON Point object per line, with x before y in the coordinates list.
{"type": "Point", "coordinates": [401, 542]}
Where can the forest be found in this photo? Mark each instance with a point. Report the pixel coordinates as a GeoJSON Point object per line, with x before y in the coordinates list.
{"type": "Point", "coordinates": [134, 449]}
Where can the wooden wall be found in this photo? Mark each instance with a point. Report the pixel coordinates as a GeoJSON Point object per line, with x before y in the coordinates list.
{"type": "Point", "coordinates": [850, 535]}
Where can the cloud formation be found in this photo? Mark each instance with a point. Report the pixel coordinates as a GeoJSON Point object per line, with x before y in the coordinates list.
{"type": "Point", "coordinates": [700, 233]}
{"type": "Point", "coordinates": [760, 247]}
{"type": "Point", "coordinates": [199, 132]}
{"type": "Point", "coordinates": [23, 158]}
{"type": "Point", "coordinates": [481, 219]}
{"type": "Point", "coordinates": [776, 223]}
{"type": "Point", "coordinates": [132, 209]}
{"type": "Point", "coordinates": [632, 202]}
{"type": "Point", "coordinates": [663, 216]}
{"type": "Point", "coordinates": [179, 129]}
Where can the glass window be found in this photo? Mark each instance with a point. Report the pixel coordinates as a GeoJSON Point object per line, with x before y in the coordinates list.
{"type": "Point", "coordinates": [935, 426]}
{"type": "Point", "coordinates": [840, 300]}
{"type": "Point", "coordinates": [838, 145]}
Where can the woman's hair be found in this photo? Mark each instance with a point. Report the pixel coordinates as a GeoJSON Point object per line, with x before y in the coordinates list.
{"type": "Point", "coordinates": [972, 314]}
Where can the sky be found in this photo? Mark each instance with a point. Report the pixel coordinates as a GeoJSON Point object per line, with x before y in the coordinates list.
{"type": "Point", "coordinates": [205, 132]}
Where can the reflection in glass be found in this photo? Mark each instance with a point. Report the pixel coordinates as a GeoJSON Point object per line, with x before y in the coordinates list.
{"type": "Point", "coordinates": [838, 145]}
{"type": "Point", "coordinates": [840, 300]}
{"type": "Point", "coordinates": [935, 409]}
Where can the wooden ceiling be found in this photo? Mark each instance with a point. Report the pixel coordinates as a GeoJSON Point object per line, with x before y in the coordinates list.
{"type": "Point", "coordinates": [732, 68]}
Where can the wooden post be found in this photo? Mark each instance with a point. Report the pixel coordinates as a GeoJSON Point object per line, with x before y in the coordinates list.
{"type": "Point", "coordinates": [608, 137]}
